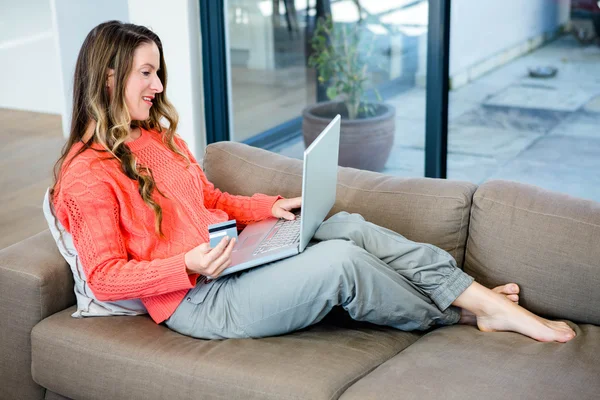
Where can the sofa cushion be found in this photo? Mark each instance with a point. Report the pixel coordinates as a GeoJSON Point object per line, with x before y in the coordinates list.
{"type": "Point", "coordinates": [433, 211]}
{"type": "Point", "coordinates": [133, 358]}
{"type": "Point", "coordinates": [549, 243]}
{"type": "Point", "coordinates": [87, 303]}
{"type": "Point", "coordinates": [460, 362]}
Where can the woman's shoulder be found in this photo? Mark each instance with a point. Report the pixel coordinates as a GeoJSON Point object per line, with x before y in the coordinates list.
{"type": "Point", "coordinates": [90, 164]}
{"type": "Point", "coordinates": [86, 177]}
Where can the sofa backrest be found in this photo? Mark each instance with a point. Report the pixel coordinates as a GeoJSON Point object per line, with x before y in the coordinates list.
{"type": "Point", "coordinates": [434, 211]}
{"type": "Point", "coordinates": [546, 242]}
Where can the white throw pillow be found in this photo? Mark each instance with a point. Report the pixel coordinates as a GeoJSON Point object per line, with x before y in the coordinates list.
{"type": "Point", "coordinates": [87, 304]}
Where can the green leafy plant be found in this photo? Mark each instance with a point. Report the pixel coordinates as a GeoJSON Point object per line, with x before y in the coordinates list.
{"type": "Point", "coordinates": [342, 61]}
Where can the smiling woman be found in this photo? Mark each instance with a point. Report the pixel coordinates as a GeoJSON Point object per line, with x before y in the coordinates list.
{"type": "Point", "coordinates": [128, 190]}
{"type": "Point", "coordinates": [143, 83]}
{"type": "Point", "coordinates": [119, 83]}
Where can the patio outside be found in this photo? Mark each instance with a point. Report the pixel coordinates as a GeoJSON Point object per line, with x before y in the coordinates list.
{"type": "Point", "coordinates": [507, 125]}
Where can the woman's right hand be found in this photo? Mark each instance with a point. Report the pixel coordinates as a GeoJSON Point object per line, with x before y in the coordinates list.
{"type": "Point", "coordinates": [210, 262]}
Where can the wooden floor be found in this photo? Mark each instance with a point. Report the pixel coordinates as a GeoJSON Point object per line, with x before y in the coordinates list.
{"type": "Point", "coordinates": [30, 145]}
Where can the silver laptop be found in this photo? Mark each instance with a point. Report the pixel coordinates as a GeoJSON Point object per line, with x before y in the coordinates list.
{"type": "Point", "coordinates": [274, 239]}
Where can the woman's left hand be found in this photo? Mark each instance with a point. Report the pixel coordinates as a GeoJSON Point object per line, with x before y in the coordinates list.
{"type": "Point", "coordinates": [281, 208]}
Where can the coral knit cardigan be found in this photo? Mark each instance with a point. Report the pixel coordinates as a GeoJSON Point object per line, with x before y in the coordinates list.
{"type": "Point", "coordinates": [113, 229]}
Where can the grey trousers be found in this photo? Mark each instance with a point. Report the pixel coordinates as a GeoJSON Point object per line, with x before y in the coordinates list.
{"type": "Point", "coordinates": [375, 274]}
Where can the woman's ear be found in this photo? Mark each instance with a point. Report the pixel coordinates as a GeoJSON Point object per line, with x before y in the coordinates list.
{"type": "Point", "coordinates": [110, 78]}
{"type": "Point", "coordinates": [110, 81]}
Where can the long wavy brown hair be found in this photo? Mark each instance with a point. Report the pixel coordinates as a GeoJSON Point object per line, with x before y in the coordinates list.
{"type": "Point", "coordinates": [111, 45]}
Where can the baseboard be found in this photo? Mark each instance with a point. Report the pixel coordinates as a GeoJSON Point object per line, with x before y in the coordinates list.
{"type": "Point", "coordinates": [499, 59]}
{"type": "Point", "coordinates": [482, 67]}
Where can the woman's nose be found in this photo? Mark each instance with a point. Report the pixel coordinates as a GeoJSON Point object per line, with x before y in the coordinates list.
{"type": "Point", "coordinates": [156, 84]}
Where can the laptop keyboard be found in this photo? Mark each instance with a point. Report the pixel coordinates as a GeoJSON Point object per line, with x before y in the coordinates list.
{"type": "Point", "coordinates": [283, 234]}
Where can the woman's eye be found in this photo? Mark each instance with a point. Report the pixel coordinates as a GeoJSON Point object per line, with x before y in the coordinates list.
{"type": "Point", "coordinates": [145, 73]}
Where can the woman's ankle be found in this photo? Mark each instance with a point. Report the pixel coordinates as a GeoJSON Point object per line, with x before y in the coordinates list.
{"type": "Point", "coordinates": [480, 300]}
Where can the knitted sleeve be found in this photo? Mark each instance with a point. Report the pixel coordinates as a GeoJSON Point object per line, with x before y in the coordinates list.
{"type": "Point", "coordinates": [243, 209]}
{"type": "Point", "coordinates": [88, 208]}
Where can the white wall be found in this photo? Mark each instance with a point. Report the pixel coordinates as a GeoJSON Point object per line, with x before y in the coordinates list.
{"type": "Point", "coordinates": [481, 29]}
{"type": "Point", "coordinates": [29, 67]}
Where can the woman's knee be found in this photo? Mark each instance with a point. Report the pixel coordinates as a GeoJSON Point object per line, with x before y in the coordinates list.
{"type": "Point", "coordinates": [342, 257]}
{"type": "Point", "coordinates": [336, 249]}
{"type": "Point", "coordinates": [342, 226]}
{"type": "Point", "coordinates": [344, 216]}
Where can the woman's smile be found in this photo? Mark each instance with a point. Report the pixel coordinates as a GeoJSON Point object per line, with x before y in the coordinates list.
{"type": "Point", "coordinates": [148, 100]}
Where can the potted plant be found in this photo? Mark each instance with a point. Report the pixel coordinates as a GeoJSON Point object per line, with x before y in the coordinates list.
{"type": "Point", "coordinates": [342, 60]}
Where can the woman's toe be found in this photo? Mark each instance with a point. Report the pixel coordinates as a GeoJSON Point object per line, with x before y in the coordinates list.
{"type": "Point", "coordinates": [508, 289]}
{"type": "Point", "coordinates": [512, 288]}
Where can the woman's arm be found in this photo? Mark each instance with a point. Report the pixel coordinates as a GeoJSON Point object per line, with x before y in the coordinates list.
{"type": "Point", "coordinates": [242, 208]}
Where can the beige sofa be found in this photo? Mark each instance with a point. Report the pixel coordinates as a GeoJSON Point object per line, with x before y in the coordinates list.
{"type": "Point", "coordinates": [499, 232]}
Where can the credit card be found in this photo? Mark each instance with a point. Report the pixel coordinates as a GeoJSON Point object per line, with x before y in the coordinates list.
{"type": "Point", "coordinates": [216, 232]}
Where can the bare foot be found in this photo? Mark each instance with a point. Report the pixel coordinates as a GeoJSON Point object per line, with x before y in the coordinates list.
{"type": "Point", "coordinates": [510, 290]}
{"type": "Point", "coordinates": [495, 312]}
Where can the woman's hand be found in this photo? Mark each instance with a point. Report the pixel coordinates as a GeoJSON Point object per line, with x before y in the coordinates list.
{"type": "Point", "coordinates": [210, 262]}
{"type": "Point", "coordinates": [281, 208]}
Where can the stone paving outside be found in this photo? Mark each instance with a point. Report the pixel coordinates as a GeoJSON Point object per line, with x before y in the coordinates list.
{"type": "Point", "coordinates": [506, 125]}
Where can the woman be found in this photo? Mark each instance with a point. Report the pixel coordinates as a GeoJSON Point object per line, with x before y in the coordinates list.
{"type": "Point", "coordinates": [138, 206]}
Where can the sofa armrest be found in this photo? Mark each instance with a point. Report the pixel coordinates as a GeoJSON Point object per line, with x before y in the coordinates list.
{"type": "Point", "coordinates": [35, 282]}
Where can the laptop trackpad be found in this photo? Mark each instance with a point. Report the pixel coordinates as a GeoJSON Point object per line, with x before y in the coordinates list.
{"type": "Point", "coordinates": [250, 241]}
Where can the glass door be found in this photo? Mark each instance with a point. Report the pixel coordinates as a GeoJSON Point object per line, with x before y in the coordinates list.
{"type": "Point", "coordinates": [270, 80]}
{"type": "Point", "coordinates": [270, 83]}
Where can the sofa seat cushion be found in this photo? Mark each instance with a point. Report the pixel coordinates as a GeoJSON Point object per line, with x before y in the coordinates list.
{"type": "Point", "coordinates": [460, 362]}
{"type": "Point", "coordinates": [133, 358]}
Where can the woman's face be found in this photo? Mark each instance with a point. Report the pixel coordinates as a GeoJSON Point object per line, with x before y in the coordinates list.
{"type": "Point", "coordinates": [143, 82]}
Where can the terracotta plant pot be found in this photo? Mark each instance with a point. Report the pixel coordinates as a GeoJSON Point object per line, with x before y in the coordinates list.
{"type": "Point", "coordinates": [365, 143]}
